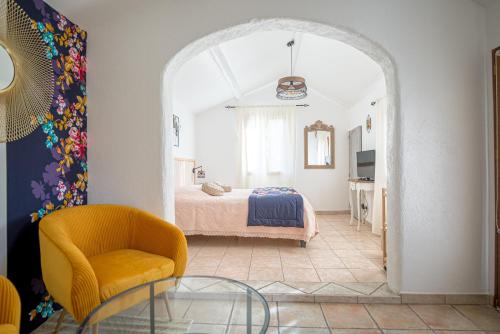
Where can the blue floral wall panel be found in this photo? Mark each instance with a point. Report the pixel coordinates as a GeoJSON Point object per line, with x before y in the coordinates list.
{"type": "Point", "coordinates": [47, 170]}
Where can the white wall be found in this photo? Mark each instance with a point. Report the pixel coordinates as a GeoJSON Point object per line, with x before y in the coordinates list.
{"type": "Point", "coordinates": [362, 108]}
{"type": "Point", "coordinates": [439, 55]}
{"type": "Point", "coordinates": [217, 144]}
{"type": "Point", "coordinates": [186, 147]}
{"type": "Point", "coordinates": [217, 151]}
{"type": "Point", "coordinates": [493, 25]}
{"type": "Point", "coordinates": [492, 41]}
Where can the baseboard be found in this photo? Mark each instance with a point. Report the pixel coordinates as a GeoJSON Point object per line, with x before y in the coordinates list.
{"type": "Point", "coordinates": [334, 212]}
{"type": "Point", "coordinates": [360, 299]}
{"type": "Point", "coordinates": [454, 299]}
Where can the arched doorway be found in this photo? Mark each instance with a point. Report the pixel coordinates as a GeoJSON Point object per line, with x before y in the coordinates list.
{"type": "Point", "coordinates": [370, 48]}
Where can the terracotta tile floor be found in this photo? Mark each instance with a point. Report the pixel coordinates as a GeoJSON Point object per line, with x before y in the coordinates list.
{"type": "Point", "coordinates": [325, 318]}
{"type": "Point", "coordinates": [338, 254]}
{"type": "Point", "coordinates": [311, 318]}
{"type": "Point", "coordinates": [392, 319]}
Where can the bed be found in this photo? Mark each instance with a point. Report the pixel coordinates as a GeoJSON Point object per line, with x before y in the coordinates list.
{"type": "Point", "coordinates": [198, 213]}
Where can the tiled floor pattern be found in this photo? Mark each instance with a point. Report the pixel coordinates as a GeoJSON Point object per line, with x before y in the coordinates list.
{"type": "Point", "coordinates": [337, 254]}
{"type": "Point", "coordinates": [356, 292]}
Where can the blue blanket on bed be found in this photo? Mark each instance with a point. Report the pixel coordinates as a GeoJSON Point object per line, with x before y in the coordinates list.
{"type": "Point", "coordinates": [275, 206]}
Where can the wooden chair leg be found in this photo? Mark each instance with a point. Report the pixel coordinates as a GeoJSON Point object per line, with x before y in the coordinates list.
{"type": "Point", "coordinates": [59, 321]}
{"type": "Point", "coordinates": [167, 305]}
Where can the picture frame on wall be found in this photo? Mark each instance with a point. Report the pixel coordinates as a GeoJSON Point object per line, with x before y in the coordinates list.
{"type": "Point", "coordinates": [177, 127]}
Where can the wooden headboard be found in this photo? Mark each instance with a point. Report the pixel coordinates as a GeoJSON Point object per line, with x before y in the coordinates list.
{"type": "Point", "coordinates": [183, 171]}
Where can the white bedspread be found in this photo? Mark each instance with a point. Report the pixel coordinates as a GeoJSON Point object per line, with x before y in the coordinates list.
{"type": "Point", "coordinates": [199, 213]}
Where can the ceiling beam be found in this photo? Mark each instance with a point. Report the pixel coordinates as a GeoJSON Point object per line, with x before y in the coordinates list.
{"type": "Point", "coordinates": [297, 37]}
{"type": "Point", "coordinates": [225, 70]}
{"type": "Point", "coordinates": [334, 100]}
{"type": "Point", "coordinates": [259, 88]}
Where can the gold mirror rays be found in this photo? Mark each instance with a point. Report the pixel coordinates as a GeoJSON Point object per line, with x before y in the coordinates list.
{"type": "Point", "coordinates": [29, 94]}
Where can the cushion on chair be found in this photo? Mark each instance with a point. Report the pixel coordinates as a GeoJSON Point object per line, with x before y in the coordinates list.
{"type": "Point", "coordinates": [212, 188]}
{"type": "Point", "coordinates": [8, 329]}
{"type": "Point", "coordinates": [119, 270]}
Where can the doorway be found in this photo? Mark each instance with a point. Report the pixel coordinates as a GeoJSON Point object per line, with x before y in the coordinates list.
{"type": "Point", "coordinates": [375, 51]}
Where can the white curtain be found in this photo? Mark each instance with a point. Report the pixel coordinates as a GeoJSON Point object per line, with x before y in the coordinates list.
{"type": "Point", "coordinates": [267, 146]}
{"type": "Point", "coordinates": [320, 147]}
{"type": "Point", "coordinates": [380, 163]}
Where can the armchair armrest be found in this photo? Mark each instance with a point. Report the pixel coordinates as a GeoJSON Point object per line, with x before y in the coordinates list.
{"type": "Point", "coordinates": [156, 236]}
{"type": "Point", "coordinates": [10, 304]}
{"type": "Point", "coordinates": [67, 274]}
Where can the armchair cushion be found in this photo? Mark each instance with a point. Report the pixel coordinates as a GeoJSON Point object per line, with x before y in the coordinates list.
{"type": "Point", "coordinates": [119, 270]}
{"type": "Point", "coordinates": [8, 329]}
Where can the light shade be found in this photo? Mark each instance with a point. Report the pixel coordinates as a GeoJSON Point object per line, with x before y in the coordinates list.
{"type": "Point", "coordinates": [291, 88]}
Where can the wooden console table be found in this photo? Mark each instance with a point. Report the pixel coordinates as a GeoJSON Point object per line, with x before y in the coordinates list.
{"type": "Point", "coordinates": [358, 186]}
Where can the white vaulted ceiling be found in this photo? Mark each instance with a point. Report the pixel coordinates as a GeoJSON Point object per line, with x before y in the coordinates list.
{"type": "Point", "coordinates": [241, 66]}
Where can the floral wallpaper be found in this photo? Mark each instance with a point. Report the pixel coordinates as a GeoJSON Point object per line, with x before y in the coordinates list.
{"type": "Point", "coordinates": [65, 124]}
{"type": "Point", "coordinates": [47, 170]}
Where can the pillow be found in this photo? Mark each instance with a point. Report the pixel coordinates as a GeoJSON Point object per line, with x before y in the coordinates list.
{"type": "Point", "coordinates": [227, 189]}
{"type": "Point", "coordinates": [212, 188]}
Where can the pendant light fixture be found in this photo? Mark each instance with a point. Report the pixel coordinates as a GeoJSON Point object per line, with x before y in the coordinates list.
{"type": "Point", "coordinates": [291, 87]}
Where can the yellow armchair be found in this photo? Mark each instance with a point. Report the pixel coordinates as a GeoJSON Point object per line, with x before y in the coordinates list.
{"type": "Point", "coordinates": [10, 308]}
{"type": "Point", "coordinates": [90, 253]}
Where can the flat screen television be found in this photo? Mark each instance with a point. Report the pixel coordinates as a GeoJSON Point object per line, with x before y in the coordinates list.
{"type": "Point", "coordinates": [366, 164]}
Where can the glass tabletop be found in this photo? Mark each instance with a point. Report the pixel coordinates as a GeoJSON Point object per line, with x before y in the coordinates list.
{"type": "Point", "coordinates": [191, 304]}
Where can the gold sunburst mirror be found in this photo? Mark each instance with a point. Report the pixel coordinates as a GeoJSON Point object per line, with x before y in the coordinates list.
{"type": "Point", "coordinates": [26, 75]}
{"type": "Point", "coordinates": [7, 69]}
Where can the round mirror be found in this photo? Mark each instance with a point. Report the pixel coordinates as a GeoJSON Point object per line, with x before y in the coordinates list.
{"type": "Point", "coordinates": [7, 69]}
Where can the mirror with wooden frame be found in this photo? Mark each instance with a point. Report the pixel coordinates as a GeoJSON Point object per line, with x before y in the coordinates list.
{"type": "Point", "coordinates": [319, 146]}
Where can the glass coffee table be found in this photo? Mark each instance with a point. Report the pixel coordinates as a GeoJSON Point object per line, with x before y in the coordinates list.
{"type": "Point", "coordinates": [191, 304]}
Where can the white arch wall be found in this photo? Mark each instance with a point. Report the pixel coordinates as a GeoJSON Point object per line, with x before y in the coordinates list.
{"type": "Point", "coordinates": [336, 33]}
{"type": "Point", "coordinates": [437, 49]}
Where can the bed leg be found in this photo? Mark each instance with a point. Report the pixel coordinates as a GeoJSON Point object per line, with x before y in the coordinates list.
{"type": "Point", "coordinates": [303, 243]}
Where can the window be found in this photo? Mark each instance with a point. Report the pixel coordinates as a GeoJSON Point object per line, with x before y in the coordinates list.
{"type": "Point", "coordinates": [267, 144]}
